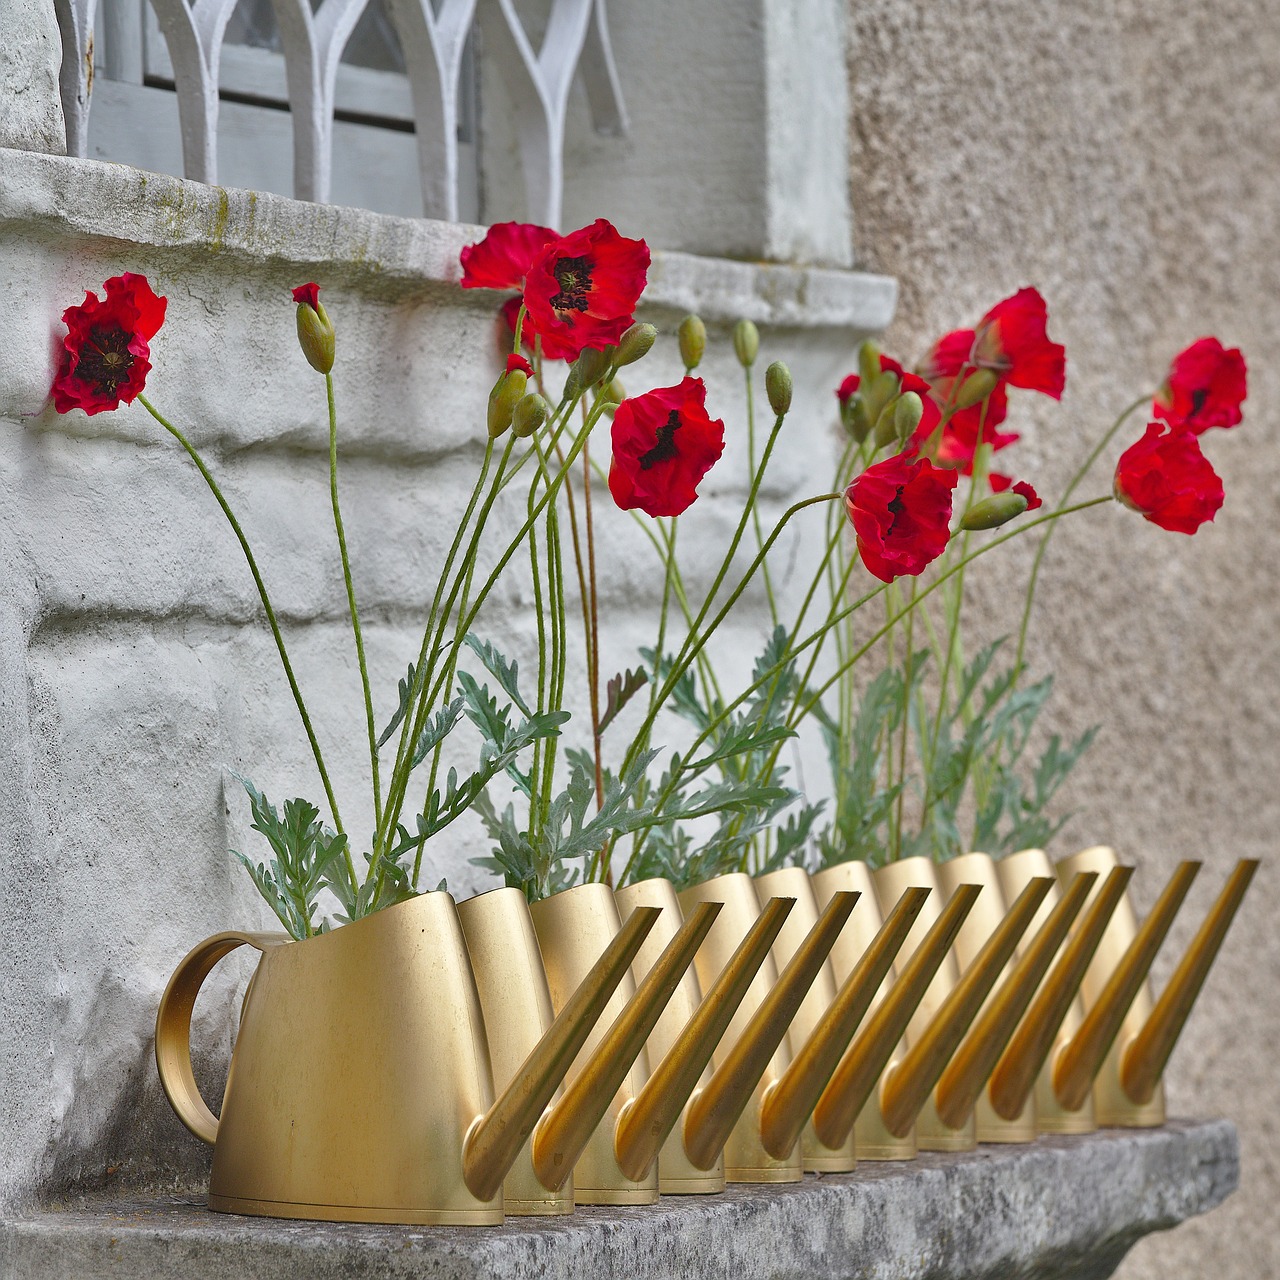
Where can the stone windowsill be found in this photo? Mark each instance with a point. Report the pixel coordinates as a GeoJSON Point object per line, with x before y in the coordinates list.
{"type": "Point", "coordinates": [1062, 1207]}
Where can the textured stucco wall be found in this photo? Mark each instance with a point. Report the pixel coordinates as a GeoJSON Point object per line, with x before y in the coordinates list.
{"type": "Point", "coordinates": [1124, 156]}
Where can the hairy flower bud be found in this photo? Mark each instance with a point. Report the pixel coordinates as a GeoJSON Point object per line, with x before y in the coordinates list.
{"type": "Point", "coordinates": [907, 412]}
{"type": "Point", "coordinates": [504, 397]}
{"type": "Point", "coordinates": [692, 335]}
{"type": "Point", "coordinates": [868, 362]}
{"type": "Point", "coordinates": [315, 329]}
{"type": "Point", "coordinates": [635, 343]}
{"type": "Point", "coordinates": [885, 430]}
{"type": "Point", "coordinates": [853, 413]}
{"type": "Point", "coordinates": [994, 511]}
{"type": "Point", "coordinates": [590, 367]}
{"type": "Point", "coordinates": [746, 343]}
{"type": "Point", "coordinates": [530, 413]}
{"type": "Point", "coordinates": [976, 388]}
{"type": "Point", "coordinates": [777, 384]}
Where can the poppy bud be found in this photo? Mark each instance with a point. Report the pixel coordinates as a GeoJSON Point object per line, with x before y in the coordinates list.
{"type": "Point", "coordinates": [503, 398]}
{"type": "Point", "coordinates": [994, 511]}
{"type": "Point", "coordinates": [635, 343]}
{"type": "Point", "coordinates": [907, 412]}
{"type": "Point", "coordinates": [886, 432]}
{"type": "Point", "coordinates": [692, 335]}
{"type": "Point", "coordinates": [879, 392]}
{"type": "Point", "coordinates": [315, 329]}
{"type": "Point", "coordinates": [590, 367]}
{"type": "Point", "coordinates": [868, 362]}
{"type": "Point", "coordinates": [746, 343]}
{"type": "Point", "coordinates": [777, 384]}
{"type": "Point", "coordinates": [530, 413]}
{"type": "Point", "coordinates": [853, 413]}
{"type": "Point", "coordinates": [976, 388]}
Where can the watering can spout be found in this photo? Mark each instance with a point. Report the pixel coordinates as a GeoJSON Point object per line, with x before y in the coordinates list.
{"type": "Point", "coordinates": [495, 1140]}
{"type": "Point", "coordinates": [646, 1124]}
{"type": "Point", "coordinates": [563, 1133]}
{"type": "Point", "coordinates": [910, 1083]}
{"type": "Point", "coordinates": [855, 1077]}
{"type": "Point", "coordinates": [961, 1084]}
{"type": "Point", "coordinates": [1147, 1053]}
{"type": "Point", "coordinates": [715, 1111]}
{"type": "Point", "coordinates": [1015, 1075]}
{"type": "Point", "coordinates": [791, 1101]}
{"type": "Point", "coordinates": [1082, 1058]}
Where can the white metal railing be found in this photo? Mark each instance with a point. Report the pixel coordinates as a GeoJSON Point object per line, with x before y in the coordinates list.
{"type": "Point", "coordinates": [433, 36]}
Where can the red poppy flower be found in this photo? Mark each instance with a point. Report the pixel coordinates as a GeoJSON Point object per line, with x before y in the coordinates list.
{"type": "Point", "coordinates": [1205, 388]}
{"type": "Point", "coordinates": [663, 444]}
{"type": "Point", "coordinates": [582, 289]}
{"type": "Point", "coordinates": [1168, 480]}
{"type": "Point", "coordinates": [976, 422]}
{"type": "Point", "coordinates": [502, 259]}
{"type": "Point", "coordinates": [901, 512]}
{"type": "Point", "coordinates": [1012, 339]}
{"type": "Point", "coordinates": [106, 354]}
{"type": "Point", "coordinates": [308, 294]}
{"type": "Point", "coordinates": [515, 362]}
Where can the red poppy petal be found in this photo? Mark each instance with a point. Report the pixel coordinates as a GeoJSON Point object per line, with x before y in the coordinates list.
{"type": "Point", "coordinates": [501, 260]}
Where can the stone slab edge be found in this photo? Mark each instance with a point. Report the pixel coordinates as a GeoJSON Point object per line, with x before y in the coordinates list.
{"type": "Point", "coordinates": [397, 257]}
{"type": "Point", "coordinates": [1068, 1207]}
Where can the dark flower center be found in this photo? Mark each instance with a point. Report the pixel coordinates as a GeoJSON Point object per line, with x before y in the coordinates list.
{"type": "Point", "coordinates": [573, 275]}
{"type": "Point", "coordinates": [665, 449]}
{"type": "Point", "coordinates": [896, 508]}
{"type": "Point", "coordinates": [105, 360]}
{"type": "Point", "coordinates": [1198, 398]}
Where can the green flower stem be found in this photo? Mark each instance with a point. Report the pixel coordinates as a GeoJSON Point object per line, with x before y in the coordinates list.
{"type": "Point", "coordinates": [593, 671]}
{"type": "Point", "coordinates": [195, 457]}
{"type": "Point", "coordinates": [906, 718]}
{"type": "Point", "coordinates": [755, 511]}
{"type": "Point", "coordinates": [351, 600]}
{"type": "Point", "coordinates": [539, 614]}
{"type": "Point", "coordinates": [1094, 453]}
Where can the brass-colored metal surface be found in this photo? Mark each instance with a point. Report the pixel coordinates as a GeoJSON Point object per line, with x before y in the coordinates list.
{"type": "Point", "coordinates": [1050, 1116]}
{"type": "Point", "coordinates": [644, 1128]}
{"type": "Point", "coordinates": [871, 1140]}
{"type": "Point", "coordinates": [745, 1159]}
{"type": "Point", "coordinates": [984, 919]}
{"type": "Point", "coordinates": [856, 1078]}
{"type": "Point", "coordinates": [565, 1130]}
{"type": "Point", "coordinates": [360, 1065]}
{"type": "Point", "coordinates": [794, 882]}
{"type": "Point", "coordinates": [930, 1133]}
{"type": "Point", "coordinates": [794, 1097]}
{"type": "Point", "coordinates": [1116, 1013]}
{"type": "Point", "coordinates": [715, 1113]}
{"type": "Point", "coordinates": [966, 1075]}
{"type": "Point", "coordinates": [495, 1141]}
{"type": "Point", "coordinates": [512, 986]}
{"type": "Point", "coordinates": [676, 1173]}
{"type": "Point", "coordinates": [1023, 1063]}
{"type": "Point", "coordinates": [573, 928]}
{"type": "Point", "coordinates": [1143, 1059]}
{"type": "Point", "coordinates": [914, 1080]}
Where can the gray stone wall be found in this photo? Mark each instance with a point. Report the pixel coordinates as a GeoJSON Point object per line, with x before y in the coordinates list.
{"type": "Point", "coordinates": [1123, 157]}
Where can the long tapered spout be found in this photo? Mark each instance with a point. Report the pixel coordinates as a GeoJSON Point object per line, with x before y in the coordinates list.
{"type": "Point", "coordinates": [856, 1075]}
{"type": "Point", "coordinates": [911, 1082]}
{"type": "Point", "coordinates": [646, 1123]}
{"type": "Point", "coordinates": [961, 1084]}
{"type": "Point", "coordinates": [493, 1144]}
{"type": "Point", "coordinates": [1148, 1052]}
{"type": "Point", "coordinates": [714, 1112]}
{"type": "Point", "coordinates": [1082, 1058]}
{"type": "Point", "coordinates": [1015, 1075]}
{"type": "Point", "coordinates": [563, 1133]}
{"type": "Point", "coordinates": [792, 1099]}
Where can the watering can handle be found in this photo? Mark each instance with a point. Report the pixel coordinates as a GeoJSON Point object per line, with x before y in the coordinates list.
{"type": "Point", "coordinates": [173, 1026]}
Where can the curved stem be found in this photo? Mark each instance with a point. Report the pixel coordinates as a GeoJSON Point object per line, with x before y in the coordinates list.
{"type": "Point", "coordinates": [266, 604]}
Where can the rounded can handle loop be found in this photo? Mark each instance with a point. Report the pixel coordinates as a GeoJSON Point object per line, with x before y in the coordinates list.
{"type": "Point", "coordinates": [173, 1026]}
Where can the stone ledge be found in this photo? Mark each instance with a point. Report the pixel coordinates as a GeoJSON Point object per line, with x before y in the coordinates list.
{"type": "Point", "coordinates": [391, 256]}
{"type": "Point", "coordinates": [1062, 1207]}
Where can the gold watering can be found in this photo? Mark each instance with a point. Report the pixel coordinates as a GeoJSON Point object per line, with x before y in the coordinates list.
{"type": "Point", "coordinates": [934, 1009]}
{"type": "Point", "coordinates": [360, 1086]}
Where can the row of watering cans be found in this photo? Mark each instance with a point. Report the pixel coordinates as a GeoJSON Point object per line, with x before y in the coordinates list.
{"type": "Point", "coordinates": [446, 1064]}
